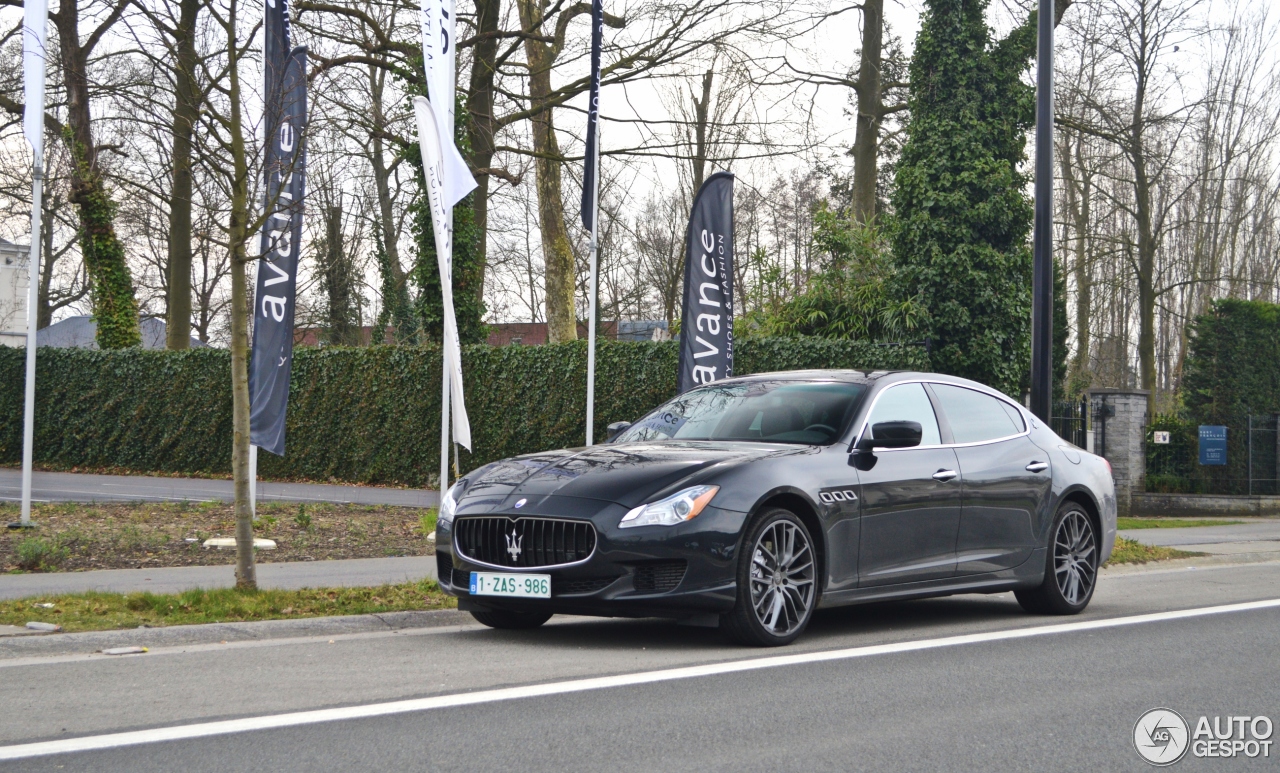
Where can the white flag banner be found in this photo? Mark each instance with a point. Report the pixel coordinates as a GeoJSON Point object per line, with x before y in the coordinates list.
{"type": "Point", "coordinates": [430, 139]}
{"type": "Point", "coordinates": [35, 19]}
{"type": "Point", "coordinates": [438, 56]}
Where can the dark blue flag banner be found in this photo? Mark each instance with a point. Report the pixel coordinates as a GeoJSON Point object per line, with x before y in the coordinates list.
{"type": "Point", "coordinates": [591, 161]}
{"type": "Point", "coordinates": [285, 165]}
{"type": "Point", "coordinates": [706, 324]}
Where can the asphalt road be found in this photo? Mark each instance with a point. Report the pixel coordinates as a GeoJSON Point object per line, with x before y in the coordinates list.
{"type": "Point", "coordinates": [1065, 699]}
{"type": "Point", "coordinates": [83, 487]}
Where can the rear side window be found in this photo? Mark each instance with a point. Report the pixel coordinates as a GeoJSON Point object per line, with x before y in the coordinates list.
{"type": "Point", "coordinates": [974, 416]}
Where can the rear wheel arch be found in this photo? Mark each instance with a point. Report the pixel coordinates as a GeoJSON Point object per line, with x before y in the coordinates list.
{"type": "Point", "coordinates": [1082, 497]}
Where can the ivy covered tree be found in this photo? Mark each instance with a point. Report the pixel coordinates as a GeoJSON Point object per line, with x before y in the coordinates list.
{"type": "Point", "coordinates": [468, 259]}
{"type": "Point", "coordinates": [961, 218]}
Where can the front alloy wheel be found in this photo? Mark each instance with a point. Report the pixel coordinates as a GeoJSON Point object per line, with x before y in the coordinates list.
{"type": "Point", "coordinates": [1072, 570]}
{"type": "Point", "coordinates": [777, 582]}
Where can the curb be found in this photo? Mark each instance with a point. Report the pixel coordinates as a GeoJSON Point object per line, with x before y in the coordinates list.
{"type": "Point", "coordinates": [89, 642]}
{"type": "Point", "coordinates": [1240, 559]}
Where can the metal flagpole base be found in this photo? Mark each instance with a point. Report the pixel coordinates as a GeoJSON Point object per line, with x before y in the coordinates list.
{"type": "Point", "coordinates": [20, 525]}
{"type": "Point", "coordinates": [253, 481]}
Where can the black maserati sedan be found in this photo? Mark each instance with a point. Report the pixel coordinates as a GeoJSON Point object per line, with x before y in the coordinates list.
{"type": "Point", "coordinates": [750, 502]}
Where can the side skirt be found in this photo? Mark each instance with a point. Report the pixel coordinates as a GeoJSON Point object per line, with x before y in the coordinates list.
{"type": "Point", "coordinates": [1027, 574]}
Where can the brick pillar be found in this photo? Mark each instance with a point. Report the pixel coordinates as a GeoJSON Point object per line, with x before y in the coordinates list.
{"type": "Point", "coordinates": [1126, 438]}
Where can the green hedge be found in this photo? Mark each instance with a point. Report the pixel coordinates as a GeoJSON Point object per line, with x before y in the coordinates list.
{"type": "Point", "coordinates": [363, 414]}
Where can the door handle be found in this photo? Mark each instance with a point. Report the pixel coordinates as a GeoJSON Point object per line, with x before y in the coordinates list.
{"type": "Point", "coordinates": [944, 475]}
{"type": "Point", "coordinates": [1037, 467]}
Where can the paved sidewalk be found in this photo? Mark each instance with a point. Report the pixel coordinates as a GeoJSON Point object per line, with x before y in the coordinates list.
{"type": "Point", "coordinates": [353, 572]}
{"type": "Point", "coordinates": [1254, 537]}
{"type": "Point", "coordinates": [83, 487]}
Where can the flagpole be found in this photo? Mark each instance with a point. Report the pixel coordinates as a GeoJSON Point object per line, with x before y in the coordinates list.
{"type": "Point", "coordinates": [35, 15]}
{"type": "Point", "coordinates": [253, 480]}
{"type": "Point", "coordinates": [444, 417]}
{"type": "Point", "coordinates": [33, 299]}
{"type": "Point", "coordinates": [595, 260]}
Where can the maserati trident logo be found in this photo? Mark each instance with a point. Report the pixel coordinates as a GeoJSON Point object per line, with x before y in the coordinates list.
{"type": "Point", "coordinates": [520, 504]}
{"type": "Point", "coordinates": [513, 544]}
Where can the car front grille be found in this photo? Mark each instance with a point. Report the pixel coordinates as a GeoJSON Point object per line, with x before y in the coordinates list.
{"type": "Point", "coordinates": [524, 542]}
{"type": "Point", "coordinates": [444, 567]}
{"type": "Point", "coordinates": [659, 576]}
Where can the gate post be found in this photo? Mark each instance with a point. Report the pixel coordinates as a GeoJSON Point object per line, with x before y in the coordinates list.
{"type": "Point", "coordinates": [1125, 446]}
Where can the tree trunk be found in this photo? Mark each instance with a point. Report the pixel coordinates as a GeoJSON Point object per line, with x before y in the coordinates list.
{"type": "Point", "coordinates": [557, 253]}
{"type": "Point", "coordinates": [1142, 193]}
{"type": "Point", "coordinates": [237, 236]}
{"type": "Point", "coordinates": [185, 113]}
{"type": "Point", "coordinates": [1077, 182]}
{"type": "Point", "coordinates": [337, 282]}
{"type": "Point", "coordinates": [481, 125]}
{"type": "Point", "coordinates": [114, 306]}
{"type": "Point", "coordinates": [866, 142]}
{"type": "Point", "coordinates": [701, 109]}
{"type": "Point", "coordinates": [44, 301]}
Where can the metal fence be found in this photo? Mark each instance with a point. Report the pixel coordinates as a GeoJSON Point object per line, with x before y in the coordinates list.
{"type": "Point", "coordinates": [1077, 423]}
{"type": "Point", "coordinates": [1252, 457]}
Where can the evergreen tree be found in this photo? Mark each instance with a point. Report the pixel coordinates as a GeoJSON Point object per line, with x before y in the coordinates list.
{"type": "Point", "coordinates": [961, 217]}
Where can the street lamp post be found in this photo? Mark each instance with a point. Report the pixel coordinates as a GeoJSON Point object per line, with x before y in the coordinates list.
{"type": "Point", "coordinates": [1042, 271]}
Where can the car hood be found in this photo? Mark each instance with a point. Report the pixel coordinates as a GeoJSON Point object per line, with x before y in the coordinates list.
{"type": "Point", "coordinates": [628, 474]}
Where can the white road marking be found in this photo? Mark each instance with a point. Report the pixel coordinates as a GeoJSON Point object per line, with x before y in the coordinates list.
{"type": "Point", "coordinates": [292, 719]}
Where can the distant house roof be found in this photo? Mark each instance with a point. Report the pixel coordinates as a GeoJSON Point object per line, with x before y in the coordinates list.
{"type": "Point", "coordinates": [535, 333]}
{"type": "Point", "coordinates": [81, 333]}
{"type": "Point", "coordinates": [314, 336]}
{"type": "Point", "coordinates": [642, 330]}
{"type": "Point", "coordinates": [13, 253]}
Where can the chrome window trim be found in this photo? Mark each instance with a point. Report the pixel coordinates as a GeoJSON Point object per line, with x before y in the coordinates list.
{"type": "Point", "coordinates": [457, 550]}
{"type": "Point", "coordinates": [1026, 423]}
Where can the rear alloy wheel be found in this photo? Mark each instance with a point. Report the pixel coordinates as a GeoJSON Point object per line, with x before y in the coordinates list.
{"type": "Point", "coordinates": [1072, 566]}
{"type": "Point", "coordinates": [777, 582]}
{"type": "Point", "coordinates": [508, 620]}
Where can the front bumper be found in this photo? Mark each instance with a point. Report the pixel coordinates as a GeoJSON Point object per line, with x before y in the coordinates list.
{"type": "Point", "coordinates": [649, 571]}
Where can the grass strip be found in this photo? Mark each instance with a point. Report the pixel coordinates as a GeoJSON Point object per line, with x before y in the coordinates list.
{"type": "Point", "coordinates": [96, 611]}
{"type": "Point", "coordinates": [1170, 523]}
{"type": "Point", "coordinates": [1129, 551]}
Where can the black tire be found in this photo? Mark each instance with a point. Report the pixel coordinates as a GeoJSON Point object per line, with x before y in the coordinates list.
{"type": "Point", "coordinates": [1071, 566]}
{"type": "Point", "coordinates": [787, 590]}
{"type": "Point", "coordinates": [507, 620]}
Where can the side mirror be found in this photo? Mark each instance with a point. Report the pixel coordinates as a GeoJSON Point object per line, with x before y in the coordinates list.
{"type": "Point", "coordinates": [891, 434]}
{"type": "Point", "coordinates": [615, 429]}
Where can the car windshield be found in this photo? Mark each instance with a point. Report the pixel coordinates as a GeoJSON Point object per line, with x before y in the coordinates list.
{"type": "Point", "coordinates": [811, 413]}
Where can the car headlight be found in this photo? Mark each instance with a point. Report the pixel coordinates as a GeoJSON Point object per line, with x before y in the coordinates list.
{"type": "Point", "coordinates": [448, 506]}
{"type": "Point", "coordinates": [679, 507]}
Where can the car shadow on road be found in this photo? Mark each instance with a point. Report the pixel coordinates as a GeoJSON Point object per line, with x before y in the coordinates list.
{"type": "Point", "coordinates": [844, 626]}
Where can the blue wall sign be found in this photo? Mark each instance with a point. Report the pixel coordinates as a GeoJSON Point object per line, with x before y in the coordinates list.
{"type": "Point", "coordinates": [1213, 444]}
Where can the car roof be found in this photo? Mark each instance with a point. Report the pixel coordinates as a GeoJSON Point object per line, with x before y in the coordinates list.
{"type": "Point", "coordinates": [853, 376]}
{"type": "Point", "coordinates": [868, 377]}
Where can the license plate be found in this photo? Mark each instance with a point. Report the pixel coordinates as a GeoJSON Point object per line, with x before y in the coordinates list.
{"type": "Point", "coordinates": [532, 586]}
